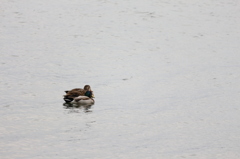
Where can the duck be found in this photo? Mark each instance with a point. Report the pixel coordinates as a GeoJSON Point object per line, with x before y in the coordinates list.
{"type": "Point", "coordinates": [81, 96]}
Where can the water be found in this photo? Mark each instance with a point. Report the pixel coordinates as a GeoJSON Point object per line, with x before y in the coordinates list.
{"type": "Point", "coordinates": [165, 75]}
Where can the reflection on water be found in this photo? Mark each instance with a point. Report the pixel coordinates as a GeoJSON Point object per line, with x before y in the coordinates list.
{"type": "Point", "coordinates": [77, 108]}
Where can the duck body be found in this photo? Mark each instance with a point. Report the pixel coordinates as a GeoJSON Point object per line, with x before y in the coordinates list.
{"type": "Point", "coordinates": [83, 100]}
{"type": "Point", "coordinates": [70, 95]}
{"type": "Point", "coordinates": [78, 96]}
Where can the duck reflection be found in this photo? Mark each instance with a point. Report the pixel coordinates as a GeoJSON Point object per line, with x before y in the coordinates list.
{"type": "Point", "coordinates": [77, 108]}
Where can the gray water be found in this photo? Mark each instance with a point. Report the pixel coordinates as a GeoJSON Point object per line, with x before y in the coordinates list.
{"type": "Point", "coordinates": [165, 75]}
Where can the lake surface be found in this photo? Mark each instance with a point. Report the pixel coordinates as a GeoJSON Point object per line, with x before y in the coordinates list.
{"type": "Point", "coordinates": [165, 75]}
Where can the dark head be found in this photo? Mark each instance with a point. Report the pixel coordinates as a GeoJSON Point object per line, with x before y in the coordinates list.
{"type": "Point", "coordinates": [87, 88]}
